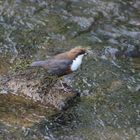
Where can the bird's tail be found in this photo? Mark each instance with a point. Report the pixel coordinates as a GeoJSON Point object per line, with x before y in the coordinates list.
{"type": "Point", "coordinates": [37, 64]}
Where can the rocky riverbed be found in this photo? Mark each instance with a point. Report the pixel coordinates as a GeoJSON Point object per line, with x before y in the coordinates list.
{"type": "Point", "coordinates": [31, 104]}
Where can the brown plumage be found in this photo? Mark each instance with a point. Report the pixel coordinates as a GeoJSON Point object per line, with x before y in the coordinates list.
{"type": "Point", "coordinates": [63, 63]}
{"type": "Point", "coordinates": [72, 54]}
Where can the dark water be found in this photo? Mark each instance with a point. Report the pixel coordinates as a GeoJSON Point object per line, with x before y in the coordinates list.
{"type": "Point", "coordinates": [109, 105]}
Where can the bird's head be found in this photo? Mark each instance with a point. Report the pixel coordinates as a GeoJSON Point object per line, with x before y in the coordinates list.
{"type": "Point", "coordinates": [77, 51]}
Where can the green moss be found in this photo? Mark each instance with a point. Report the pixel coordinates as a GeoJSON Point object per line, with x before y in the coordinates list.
{"type": "Point", "coordinates": [21, 65]}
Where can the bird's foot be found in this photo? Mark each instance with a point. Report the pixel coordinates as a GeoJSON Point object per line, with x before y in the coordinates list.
{"type": "Point", "coordinates": [64, 87]}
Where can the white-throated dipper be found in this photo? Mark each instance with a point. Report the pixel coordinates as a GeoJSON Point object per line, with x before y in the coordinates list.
{"type": "Point", "coordinates": [63, 63]}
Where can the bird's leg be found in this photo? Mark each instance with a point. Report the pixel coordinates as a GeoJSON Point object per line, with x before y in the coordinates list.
{"type": "Point", "coordinates": [63, 86]}
{"type": "Point", "coordinates": [67, 88]}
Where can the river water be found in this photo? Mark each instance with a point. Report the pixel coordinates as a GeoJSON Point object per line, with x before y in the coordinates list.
{"type": "Point", "coordinates": [109, 106]}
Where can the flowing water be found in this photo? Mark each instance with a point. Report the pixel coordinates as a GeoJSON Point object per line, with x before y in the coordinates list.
{"type": "Point", "coordinates": [109, 106]}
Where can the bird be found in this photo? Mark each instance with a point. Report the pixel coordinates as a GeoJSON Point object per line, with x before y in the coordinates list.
{"type": "Point", "coordinates": [63, 63]}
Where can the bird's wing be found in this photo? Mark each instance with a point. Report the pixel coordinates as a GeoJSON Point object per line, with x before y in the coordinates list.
{"type": "Point", "coordinates": [59, 66]}
{"type": "Point", "coordinates": [55, 66]}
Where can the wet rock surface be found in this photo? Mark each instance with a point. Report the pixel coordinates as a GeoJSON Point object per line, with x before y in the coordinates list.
{"type": "Point", "coordinates": [18, 111]}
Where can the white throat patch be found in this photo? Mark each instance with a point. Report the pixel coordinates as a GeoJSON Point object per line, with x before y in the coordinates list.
{"type": "Point", "coordinates": [77, 62]}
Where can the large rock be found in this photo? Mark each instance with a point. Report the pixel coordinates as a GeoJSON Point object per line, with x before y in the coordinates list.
{"type": "Point", "coordinates": [37, 85]}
